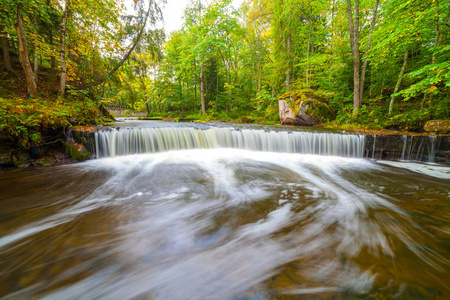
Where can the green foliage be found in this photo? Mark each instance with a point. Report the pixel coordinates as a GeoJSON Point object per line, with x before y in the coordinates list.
{"type": "Point", "coordinates": [246, 58]}
{"type": "Point", "coordinates": [407, 118]}
{"type": "Point", "coordinates": [26, 120]}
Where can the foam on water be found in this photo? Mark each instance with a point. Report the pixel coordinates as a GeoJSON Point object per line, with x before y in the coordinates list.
{"type": "Point", "coordinates": [213, 223]}
{"type": "Point", "coordinates": [434, 170]}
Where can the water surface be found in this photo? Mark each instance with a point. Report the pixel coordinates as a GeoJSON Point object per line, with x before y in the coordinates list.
{"type": "Point", "coordinates": [224, 224]}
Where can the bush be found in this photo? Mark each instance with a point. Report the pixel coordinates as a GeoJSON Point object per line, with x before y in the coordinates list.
{"type": "Point", "coordinates": [25, 121]}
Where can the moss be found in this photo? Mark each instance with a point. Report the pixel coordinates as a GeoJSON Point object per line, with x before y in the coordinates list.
{"type": "Point", "coordinates": [315, 104]}
{"type": "Point", "coordinates": [76, 151]}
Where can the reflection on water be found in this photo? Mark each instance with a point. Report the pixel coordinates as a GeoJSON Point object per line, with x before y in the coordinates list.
{"type": "Point", "coordinates": [223, 223]}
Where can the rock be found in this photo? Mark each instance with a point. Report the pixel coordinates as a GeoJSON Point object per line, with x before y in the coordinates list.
{"type": "Point", "coordinates": [6, 152]}
{"type": "Point", "coordinates": [287, 117]}
{"type": "Point", "coordinates": [438, 126]}
{"type": "Point", "coordinates": [304, 107]}
{"type": "Point", "coordinates": [21, 159]}
{"type": "Point", "coordinates": [76, 151]}
{"type": "Point", "coordinates": [248, 120]}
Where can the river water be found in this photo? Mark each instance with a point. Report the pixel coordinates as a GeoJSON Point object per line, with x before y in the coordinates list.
{"type": "Point", "coordinates": [226, 223]}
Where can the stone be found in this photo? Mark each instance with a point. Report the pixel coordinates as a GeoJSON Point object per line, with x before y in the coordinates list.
{"type": "Point", "coordinates": [287, 117]}
{"type": "Point", "coordinates": [304, 107]}
{"type": "Point", "coordinates": [438, 126]}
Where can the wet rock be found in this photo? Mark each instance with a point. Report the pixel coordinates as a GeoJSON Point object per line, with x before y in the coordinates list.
{"type": "Point", "coordinates": [248, 120]}
{"type": "Point", "coordinates": [6, 153]}
{"type": "Point", "coordinates": [76, 150]}
{"type": "Point", "coordinates": [406, 147]}
{"type": "Point", "coordinates": [22, 159]}
{"type": "Point", "coordinates": [438, 126]}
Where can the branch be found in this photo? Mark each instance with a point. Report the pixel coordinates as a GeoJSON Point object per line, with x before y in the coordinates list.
{"type": "Point", "coordinates": [127, 55]}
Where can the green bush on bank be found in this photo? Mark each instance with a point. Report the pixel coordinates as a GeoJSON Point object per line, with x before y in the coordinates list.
{"type": "Point", "coordinates": [409, 117]}
{"type": "Point", "coordinates": [25, 121]}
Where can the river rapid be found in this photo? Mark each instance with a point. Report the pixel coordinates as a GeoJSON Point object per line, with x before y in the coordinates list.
{"type": "Point", "coordinates": [225, 223]}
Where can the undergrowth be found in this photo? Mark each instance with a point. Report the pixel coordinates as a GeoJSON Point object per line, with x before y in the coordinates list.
{"type": "Point", "coordinates": [26, 121]}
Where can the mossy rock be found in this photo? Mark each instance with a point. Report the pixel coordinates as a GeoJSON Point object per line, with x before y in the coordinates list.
{"type": "Point", "coordinates": [309, 107]}
{"type": "Point", "coordinates": [438, 126]}
{"type": "Point", "coordinates": [76, 151]}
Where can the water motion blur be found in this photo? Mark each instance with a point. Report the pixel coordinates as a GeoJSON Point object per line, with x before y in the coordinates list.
{"type": "Point", "coordinates": [224, 221]}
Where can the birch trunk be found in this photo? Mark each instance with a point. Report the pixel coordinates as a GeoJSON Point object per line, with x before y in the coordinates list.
{"type": "Point", "coordinates": [308, 49]}
{"type": "Point", "coordinates": [62, 50]}
{"type": "Point", "coordinates": [202, 87]}
{"type": "Point", "coordinates": [288, 72]}
{"type": "Point", "coordinates": [363, 72]}
{"type": "Point", "coordinates": [399, 81]}
{"type": "Point", "coordinates": [437, 42]}
{"type": "Point", "coordinates": [353, 23]}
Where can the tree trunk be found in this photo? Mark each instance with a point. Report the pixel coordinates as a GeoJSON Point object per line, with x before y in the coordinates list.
{"type": "Point", "coordinates": [62, 50]}
{"type": "Point", "coordinates": [308, 49]}
{"type": "Point", "coordinates": [399, 81]}
{"type": "Point", "coordinates": [423, 100]}
{"type": "Point", "coordinates": [363, 72]}
{"type": "Point", "coordinates": [259, 62]}
{"type": "Point", "coordinates": [35, 54]}
{"type": "Point", "coordinates": [195, 86]}
{"type": "Point", "coordinates": [437, 42]}
{"type": "Point", "coordinates": [5, 48]}
{"type": "Point", "coordinates": [23, 54]}
{"type": "Point", "coordinates": [353, 23]}
{"type": "Point", "coordinates": [229, 87]}
{"type": "Point", "coordinates": [202, 87]}
{"type": "Point", "coordinates": [288, 72]}
{"type": "Point", "coordinates": [52, 58]}
{"type": "Point", "coordinates": [217, 84]}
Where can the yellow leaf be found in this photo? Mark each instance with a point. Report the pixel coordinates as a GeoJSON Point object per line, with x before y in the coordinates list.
{"type": "Point", "coordinates": [433, 88]}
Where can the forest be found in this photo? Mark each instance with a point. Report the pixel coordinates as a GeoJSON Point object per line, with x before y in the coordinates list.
{"type": "Point", "coordinates": [378, 64]}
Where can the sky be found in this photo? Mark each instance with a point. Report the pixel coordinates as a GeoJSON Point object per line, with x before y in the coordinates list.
{"type": "Point", "coordinates": [173, 13]}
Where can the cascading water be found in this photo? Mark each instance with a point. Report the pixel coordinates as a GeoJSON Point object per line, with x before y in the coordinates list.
{"type": "Point", "coordinates": [111, 143]}
{"type": "Point", "coordinates": [232, 214]}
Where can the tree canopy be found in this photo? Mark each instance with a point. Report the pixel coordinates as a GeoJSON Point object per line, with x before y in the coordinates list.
{"type": "Point", "coordinates": [379, 62]}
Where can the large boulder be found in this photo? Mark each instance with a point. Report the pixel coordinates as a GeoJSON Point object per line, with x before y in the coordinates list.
{"type": "Point", "coordinates": [304, 107]}
{"type": "Point", "coordinates": [438, 126]}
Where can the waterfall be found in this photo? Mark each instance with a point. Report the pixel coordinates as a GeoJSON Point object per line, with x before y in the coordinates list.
{"type": "Point", "coordinates": [374, 143]}
{"type": "Point", "coordinates": [110, 143]}
{"type": "Point", "coordinates": [405, 141]}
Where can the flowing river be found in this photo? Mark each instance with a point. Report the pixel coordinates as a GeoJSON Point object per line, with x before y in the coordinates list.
{"type": "Point", "coordinates": [214, 213]}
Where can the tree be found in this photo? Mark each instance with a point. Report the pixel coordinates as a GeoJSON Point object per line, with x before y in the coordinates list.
{"type": "Point", "coordinates": [5, 49]}
{"type": "Point", "coordinates": [23, 54]}
{"type": "Point", "coordinates": [353, 24]}
{"type": "Point", "coordinates": [62, 53]}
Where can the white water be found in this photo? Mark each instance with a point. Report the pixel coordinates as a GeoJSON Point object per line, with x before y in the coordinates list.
{"type": "Point", "coordinates": [111, 143]}
{"type": "Point", "coordinates": [214, 223]}
{"type": "Point", "coordinates": [435, 170]}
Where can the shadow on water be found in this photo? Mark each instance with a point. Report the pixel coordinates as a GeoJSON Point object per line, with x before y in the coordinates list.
{"type": "Point", "coordinates": [224, 224]}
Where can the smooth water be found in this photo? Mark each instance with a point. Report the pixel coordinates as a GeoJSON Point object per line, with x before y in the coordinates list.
{"type": "Point", "coordinates": [224, 224]}
{"type": "Point", "coordinates": [111, 143]}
